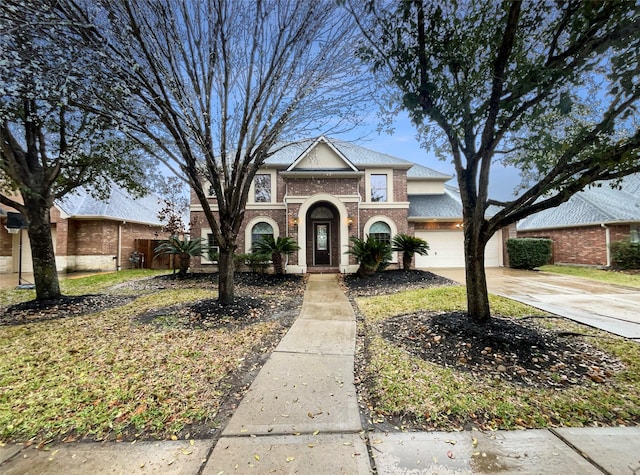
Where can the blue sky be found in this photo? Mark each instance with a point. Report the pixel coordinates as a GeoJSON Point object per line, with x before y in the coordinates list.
{"type": "Point", "coordinates": [403, 144]}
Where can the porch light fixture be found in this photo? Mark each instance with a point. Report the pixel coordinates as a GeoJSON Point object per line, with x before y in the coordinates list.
{"type": "Point", "coordinates": [349, 221]}
{"type": "Point", "coordinates": [295, 220]}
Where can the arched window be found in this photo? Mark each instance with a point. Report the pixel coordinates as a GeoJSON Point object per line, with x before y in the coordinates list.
{"type": "Point", "coordinates": [380, 231]}
{"type": "Point", "coordinates": [259, 231]}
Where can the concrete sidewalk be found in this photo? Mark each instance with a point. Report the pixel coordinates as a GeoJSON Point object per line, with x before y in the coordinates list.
{"type": "Point", "coordinates": [301, 415]}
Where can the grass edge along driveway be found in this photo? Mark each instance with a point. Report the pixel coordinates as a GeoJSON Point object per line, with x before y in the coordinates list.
{"type": "Point", "coordinates": [411, 392]}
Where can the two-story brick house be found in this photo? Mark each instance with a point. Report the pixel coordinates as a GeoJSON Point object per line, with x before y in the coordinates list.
{"type": "Point", "coordinates": [323, 191]}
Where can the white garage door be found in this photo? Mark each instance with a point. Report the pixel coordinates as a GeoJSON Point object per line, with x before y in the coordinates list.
{"type": "Point", "coordinates": [446, 249]}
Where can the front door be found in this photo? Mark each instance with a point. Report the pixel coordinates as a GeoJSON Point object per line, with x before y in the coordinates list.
{"type": "Point", "coordinates": [321, 244]}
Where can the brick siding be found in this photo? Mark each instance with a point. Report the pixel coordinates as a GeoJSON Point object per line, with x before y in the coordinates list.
{"type": "Point", "coordinates": [580, 245]}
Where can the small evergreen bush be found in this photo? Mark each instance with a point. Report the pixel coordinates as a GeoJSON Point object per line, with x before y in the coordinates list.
{"type": "Point", "coordinates": [529, 253]}
{"type": "Point", "coordinates": [625, 255]}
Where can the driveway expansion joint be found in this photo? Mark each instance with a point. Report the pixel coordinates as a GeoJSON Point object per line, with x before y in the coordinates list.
{"type": "Point", "coordinates": [578, 451]}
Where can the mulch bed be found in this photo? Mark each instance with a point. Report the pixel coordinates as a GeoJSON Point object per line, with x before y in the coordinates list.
{"type": "Point", "coordinates": [516, 351]}
{"type": "Point", "coordinates": [519, 351]}
{"type": "Point", "coordinates": [246, 308]}
{"type": "Point", "coordinates": [388, 281]}
{"type": "Point", "coordinates": [64, 307]}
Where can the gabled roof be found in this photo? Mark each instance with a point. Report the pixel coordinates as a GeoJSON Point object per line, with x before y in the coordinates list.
{"type": "Point", "coordinates": [599, 204]}
{"type": "Point", "coordinates": [120, 205]}
{"type": "Point", "coordinates": [361, 157]}
{"type": "Point", "coordinates": [341, 162]}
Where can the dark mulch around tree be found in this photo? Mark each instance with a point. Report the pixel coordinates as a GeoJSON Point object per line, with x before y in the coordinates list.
{"type": "Point", "coordinates": [389, 281]}
{"type": "Point", "coordinates": [63, 307]}
{"type": "Point", "coordinates": [258, 297]}
{"type": "Point", "coordinates": [518, 351]}
{"type": "Point", "coordinates": [247, 307]}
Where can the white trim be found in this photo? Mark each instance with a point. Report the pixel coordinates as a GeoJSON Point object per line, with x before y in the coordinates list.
{"type": "Point", "coordinates": [199, 207]}
{"type": "Point", "coordinates": [343, 229]}
{"type": "Point", "coordinates": [343, 198]}
{"type": "Point", "coordinates": [204, 234]}
{"type": "Point", "coordinates": [251, 199]}
{"type": "Point", "coordinates": [379, 171]}
{"type": "Point", "coordinates": [322, 139]}
{"type": "Point", "coordinates": [385, 205]}
{"type": "Point", "coordinates": [263, 206]}
{"type": "Point", "coordinates": [249, 226]}
{"type": "Point", "coordinates": [392, 226]}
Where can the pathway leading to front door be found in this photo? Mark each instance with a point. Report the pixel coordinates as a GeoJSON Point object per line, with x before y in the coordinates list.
{"type": "Point", "coordinates": [301, 413]}
{"type": "Point", "coordinates": [612, 308]}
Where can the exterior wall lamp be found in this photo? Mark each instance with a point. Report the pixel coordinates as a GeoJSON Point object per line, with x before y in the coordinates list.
{"type": "Point", "coordinates": [295, 220]}
{"type": "Point", "coordinates": [349, 221]}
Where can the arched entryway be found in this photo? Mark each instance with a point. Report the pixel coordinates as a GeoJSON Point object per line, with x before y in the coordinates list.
{"type": "Point", "coordinates": [328, 209]}
{"type": "Point", "coordinates": [323, 236]}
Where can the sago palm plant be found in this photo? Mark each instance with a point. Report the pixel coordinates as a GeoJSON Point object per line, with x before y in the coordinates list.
{"type": "Point", "coordinates": [370, 253]}
{"type": "Point", "coordinates": [276, 248]}
{"type": "Point", "coordinates": [409, 246]}
{"type": "Point", "coordinates": [184, 249]}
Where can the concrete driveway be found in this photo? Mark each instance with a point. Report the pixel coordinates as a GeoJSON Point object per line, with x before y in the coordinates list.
{"type": "Point", "coordinates": [613, 308]}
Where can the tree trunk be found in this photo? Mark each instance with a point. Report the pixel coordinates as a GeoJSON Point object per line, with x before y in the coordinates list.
{"type": "Point", "coordinates": [45, 273]}
{"type": "Point", "coordinates": [477, 293]}
{"type": "Point", "coordinates": [226, 291]}
{"type": "Point", "coordinates": [184, 260]}
{"type": "Point", "coordinates": [406, 260]}
{"type": "Point", "coordinates": [276, 258]}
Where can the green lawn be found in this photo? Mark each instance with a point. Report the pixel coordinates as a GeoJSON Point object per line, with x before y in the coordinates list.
{"type": "Point", "coordinates": [109, 375]}
{"type": "Point", "coordinates": [610, 277]}
{"type": "Point", "coordinates": [404, 386]}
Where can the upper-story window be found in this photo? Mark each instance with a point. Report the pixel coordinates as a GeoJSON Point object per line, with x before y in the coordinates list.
{"type": "Point", "coordinates": [378, 188]}
{"type": "Point", "coordinates": [262, 187]}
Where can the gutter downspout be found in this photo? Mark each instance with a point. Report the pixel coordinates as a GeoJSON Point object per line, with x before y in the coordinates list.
{"type": "Point", "coordinates": [119, 250]}
{"type": "Point", "coordinates": [607, 242]}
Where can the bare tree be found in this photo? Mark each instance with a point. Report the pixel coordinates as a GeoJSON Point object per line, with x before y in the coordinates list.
{"type": "Point", "coordinates": [214, 86]}
{"type": "Point", "coordinates": [551, 87]}
{"type": "Point", "coordinates": [48, 145]}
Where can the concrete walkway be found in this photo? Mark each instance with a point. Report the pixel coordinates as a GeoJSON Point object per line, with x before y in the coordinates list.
{"type": "Point", "coordinates": [613, 308]}
{"type": "Point", "coordinates": [301, 415]}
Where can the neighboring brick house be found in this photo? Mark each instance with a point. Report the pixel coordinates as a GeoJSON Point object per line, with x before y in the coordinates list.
{"type": "Point", "coordinates": [89, 234]}
{"type": "Point", "coordinates": [582, 228]}
{"type": "Point", "coordinates": [322, 191]}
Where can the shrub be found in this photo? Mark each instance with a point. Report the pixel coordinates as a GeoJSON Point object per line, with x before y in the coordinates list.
{"type": "Point", "coordinates": [528, 253]}
{"type": "Point", "coordinates": [276, 248]}
{"type": "Point", "coordinates": [184, 249]}
{"type": "Point", "coordinates": [370, 253]}
{"type": "Point", "coordinates": [258, 262]}
{"type": "Point", "coordinates": [625, 255]}
{"type": "Point", "coordinates": [409, 246]}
